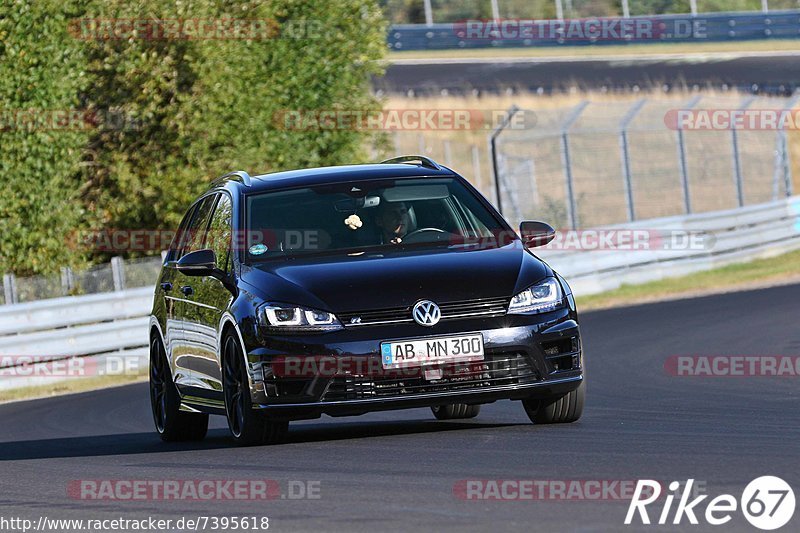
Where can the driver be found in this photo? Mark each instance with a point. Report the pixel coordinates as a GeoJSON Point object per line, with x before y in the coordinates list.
{"type": "Point", "coordinates": [393, 220]}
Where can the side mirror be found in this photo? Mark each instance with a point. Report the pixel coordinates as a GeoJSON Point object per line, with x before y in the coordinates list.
{"type": "Point", "coordinates": [199, 263]}
{"type": "Point", "coordinates": [535, 233]}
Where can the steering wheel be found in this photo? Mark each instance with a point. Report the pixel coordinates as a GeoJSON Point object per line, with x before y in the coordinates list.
{"type": "Point", "coordinates": [420, 231]}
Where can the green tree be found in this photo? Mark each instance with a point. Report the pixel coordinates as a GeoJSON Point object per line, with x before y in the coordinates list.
{"type": "Point", "coordinates": [41, 76]}
{"type": "Point", "coordinates": [210, 106]}
{"type": "Point", "coordinates": [175, 112]}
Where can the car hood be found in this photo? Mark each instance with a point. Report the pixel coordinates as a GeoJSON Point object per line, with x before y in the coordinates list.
{"type": "Point", "coordinates": [353, 283]}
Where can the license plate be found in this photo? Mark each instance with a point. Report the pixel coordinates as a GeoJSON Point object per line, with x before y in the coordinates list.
{"type": "Point", "coordinates": [432, 350]}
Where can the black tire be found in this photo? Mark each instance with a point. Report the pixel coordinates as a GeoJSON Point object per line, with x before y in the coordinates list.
{"type": "Point", "coordinates": [248, 426]}
{"type": "Point", "coordinates": [456, 411]}
{"type": "Point", "coordinates": [559, 410]}
{"type": "Point", "coordinates": [172, 424]}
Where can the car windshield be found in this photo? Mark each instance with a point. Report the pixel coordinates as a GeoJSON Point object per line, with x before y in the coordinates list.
{"type": "Point", "coordinates": [353, 217]}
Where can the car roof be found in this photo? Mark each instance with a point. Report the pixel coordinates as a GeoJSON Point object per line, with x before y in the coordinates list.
{"type": "Point", "coordinates": [337, 174]}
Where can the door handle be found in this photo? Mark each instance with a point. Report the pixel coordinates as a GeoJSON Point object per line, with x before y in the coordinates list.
{"type": "Point", "coordinates": [166, 286]}
{"type": "Point", "coordinates": [187, 290]}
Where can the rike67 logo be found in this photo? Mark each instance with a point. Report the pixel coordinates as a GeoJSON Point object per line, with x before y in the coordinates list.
{"type": "Point", "coordinates": [767, 503]}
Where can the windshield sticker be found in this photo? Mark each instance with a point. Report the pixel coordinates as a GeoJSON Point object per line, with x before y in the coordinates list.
{"type": "Point", "coordinates": [259, 249]}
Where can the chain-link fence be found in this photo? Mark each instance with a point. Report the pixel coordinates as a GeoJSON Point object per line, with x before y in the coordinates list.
{"type": "Point", "coordinates": [605, 163]}
{"type": "Point", "coordinates": [117, 275]}
{"type": "Point", "coordinates": [609, 161]}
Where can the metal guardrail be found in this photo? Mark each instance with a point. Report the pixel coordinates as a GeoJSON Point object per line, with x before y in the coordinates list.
{"type": "Point", "coordinates": [76, 325]}
{"type": "Point", "coordinates": [737, 235]}
{"type": "Point", "coordinates": [115, 324]}
{"type": "Point", "coordinates": [704, 27]}
{"type": "Point", "coordinates": [59, 313]}
{"type": "Point", "coordinates": [92, 328]}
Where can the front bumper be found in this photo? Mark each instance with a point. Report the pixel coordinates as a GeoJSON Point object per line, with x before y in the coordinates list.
{"type": "Point", "coordinates": [525, 356]}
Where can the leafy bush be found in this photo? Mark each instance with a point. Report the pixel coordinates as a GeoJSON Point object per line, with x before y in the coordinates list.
{"type": "Point", "coordinates": [183, 110]}
{"type": "Point", "coordinates": [41, 75]}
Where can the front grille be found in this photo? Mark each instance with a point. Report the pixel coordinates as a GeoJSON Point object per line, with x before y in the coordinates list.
{"type": "Point", "coordinates": [498, 370]}
{"type": "Point", "coordinates": [485, 307]}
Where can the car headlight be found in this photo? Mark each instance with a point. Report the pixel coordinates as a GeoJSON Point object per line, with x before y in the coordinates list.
{"type": "Point", "coordinates": [544, 296]}
{"type": "Point", "coordinates": [296, 319]}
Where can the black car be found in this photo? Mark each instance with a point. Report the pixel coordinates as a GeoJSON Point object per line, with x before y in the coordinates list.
{"type": "Point", "coordinates": [350, 289]}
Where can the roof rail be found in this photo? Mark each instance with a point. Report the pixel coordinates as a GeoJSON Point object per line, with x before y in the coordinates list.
{"type": "Point", "coordinates": [426, 162]}
{"type": "Point", "coordinates": [237, 175]}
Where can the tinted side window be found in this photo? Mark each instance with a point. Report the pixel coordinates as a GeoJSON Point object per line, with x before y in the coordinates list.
{"type": "Point", "coordinates": [179, 240]}
{"type": "Point", "coordinates": [219, 232]}
{"type": "Point", "coordinates": [196, 232]}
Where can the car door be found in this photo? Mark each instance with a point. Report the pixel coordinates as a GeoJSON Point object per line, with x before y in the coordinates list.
{"type": "Point", "coordinates": [209, 300]}
{"type": "Point", "coordinates": [167, 284]}
{"type": "Point", "coordinates": [186, 353]}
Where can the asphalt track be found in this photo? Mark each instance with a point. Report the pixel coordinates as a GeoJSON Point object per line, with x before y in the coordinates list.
{"type": "Point", "coordinates": [396, 471]}
{"type": "Point", "coordinates": [777, 73]}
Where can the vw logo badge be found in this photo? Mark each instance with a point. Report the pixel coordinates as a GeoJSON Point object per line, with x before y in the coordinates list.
{"type": "Point", "coordinates": [426, 313]}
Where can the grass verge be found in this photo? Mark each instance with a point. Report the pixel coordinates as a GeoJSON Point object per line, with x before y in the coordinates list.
{"type": "Point", "coordinates": [69, 387]}
{"type": "Point", "coordinates": [694, 48]}
{"type": "Point", "coordinates": [782, 269]}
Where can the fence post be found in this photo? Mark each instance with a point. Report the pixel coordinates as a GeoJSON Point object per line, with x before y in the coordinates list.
{"type": "Point", "coordinates": [428, 13]}
{"type": "Point", "coordinates": [10, 289]}
{"type": "Point", "coordinates": [626, 162]}
{"type": "Point", "coordinates": [493, 152]}
{"type": "Point", "coordinates": [495, 11]}
{"type": "Point", "coordinates": [783, 160]}
{"type": "Point", "coordinates": [683, 164]}
{"type": "Point", "coordinates": [396, 141]}
{"type": "Point", "coordinates": [118, 273]}
{"type": "Point", "coordinates": [531, 163]}
{"type": "Point", "coordinates": [572, 214]}
{"type": "Point", "coordinates": [423, 147]}
{"type": "Point", "coordinates": [476, 168]}
{"type": "Point", "coordinates": [787, 167]}
{"type": "Point", "coordinates": [778, 167]}
{"type": "Point", "coordinates": [737, 162]}
{"type": "Point", "coordinates": [67, 280]}
{"type": "Point", "coordinates": [448, 153]}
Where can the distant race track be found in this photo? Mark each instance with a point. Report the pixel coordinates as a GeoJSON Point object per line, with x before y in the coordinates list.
{"type": "Point", "coordinates": [773, 73]}
{"type": "Point", "coordinates": [397, 470]}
